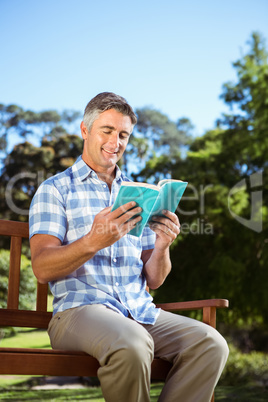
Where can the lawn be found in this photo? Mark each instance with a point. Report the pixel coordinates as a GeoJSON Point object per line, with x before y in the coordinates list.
{"type": "Point", "coordinates": [27, 338]}
{"type": "Point", "coordinates": [23, 393]}
{"type": "Point", "coordinates": [20, 388]}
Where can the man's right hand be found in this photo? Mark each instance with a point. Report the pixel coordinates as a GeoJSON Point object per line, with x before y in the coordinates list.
{"type": "Point", "coordinates": [108, 227]}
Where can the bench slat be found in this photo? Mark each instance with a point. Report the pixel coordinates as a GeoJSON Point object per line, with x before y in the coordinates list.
{"type": "Point", "coordinates": [65, 364]}
{"type": "Point", "coordinates": [13, 228]}
{"type": "Point", "coordinates": [60, 363]}
{"type": "Point", "coordinates": [14, 273]}
{"type": "Point", "coordinates": [24, 318]}
{"type": "Point", "coordinates": [41, 297]}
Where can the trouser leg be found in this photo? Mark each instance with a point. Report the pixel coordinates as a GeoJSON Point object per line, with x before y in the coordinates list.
{"type": "Point", "coordinates": [198, 353]}
{"type": "Point", "coordinates": [122, 346]}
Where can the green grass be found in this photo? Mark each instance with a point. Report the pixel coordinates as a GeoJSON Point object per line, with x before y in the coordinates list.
{"type": "Point", "coordinates": [247, 393]}
{"type": "Point", "coordinates": [21, 391]}
{"type": "Point", "coordinates": [27, 338]}
{"type": "Point", "coordinates": [92, 394]}
{"type": "Point", "coordinates": [18, 388]}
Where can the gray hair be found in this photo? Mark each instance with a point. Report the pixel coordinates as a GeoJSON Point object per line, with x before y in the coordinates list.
{"type": "Point", "coordinates": [105, 101]}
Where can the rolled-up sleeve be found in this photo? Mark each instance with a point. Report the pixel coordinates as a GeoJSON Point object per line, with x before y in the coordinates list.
{"type": "Point", "coordinates": [47, 212]}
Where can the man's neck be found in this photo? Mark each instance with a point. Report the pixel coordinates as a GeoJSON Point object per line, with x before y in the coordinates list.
{"type": "Point", "coordinates": [107, 177]}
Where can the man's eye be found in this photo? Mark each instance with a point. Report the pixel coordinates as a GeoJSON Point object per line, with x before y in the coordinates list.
{"type": "Point", "coordinates": [124, 136]}
{"type": "Point", "coordinates": [107, 132]}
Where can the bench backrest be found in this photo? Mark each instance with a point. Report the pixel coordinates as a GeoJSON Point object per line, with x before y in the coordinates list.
{"type": "Point", "coordinates": [12, 316]}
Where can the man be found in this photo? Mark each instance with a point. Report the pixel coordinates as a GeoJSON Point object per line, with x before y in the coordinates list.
{"type": "Point", "coordinates": [98, 273]}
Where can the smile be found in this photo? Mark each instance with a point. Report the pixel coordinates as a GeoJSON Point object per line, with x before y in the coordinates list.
{"type": "Point", "coordinates": [109, 152]}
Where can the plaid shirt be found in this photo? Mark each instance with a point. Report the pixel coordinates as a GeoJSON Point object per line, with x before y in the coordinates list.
{"type": "Point", "coordinates": [65, 206]}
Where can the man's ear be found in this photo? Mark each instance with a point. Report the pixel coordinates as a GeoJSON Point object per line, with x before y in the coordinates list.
{"type": "Point", "coordinates": [84, 131]}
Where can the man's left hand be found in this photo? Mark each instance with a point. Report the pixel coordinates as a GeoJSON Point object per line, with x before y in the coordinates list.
{"type": "Point", "coordinates": [166, 227]}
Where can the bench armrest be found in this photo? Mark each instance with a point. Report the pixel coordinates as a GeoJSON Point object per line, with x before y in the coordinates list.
{"type": "Point", "coordinates": [208, 306]}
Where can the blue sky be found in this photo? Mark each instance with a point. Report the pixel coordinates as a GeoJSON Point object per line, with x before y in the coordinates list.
{"type": "Point", "coordinates": [173, 55]}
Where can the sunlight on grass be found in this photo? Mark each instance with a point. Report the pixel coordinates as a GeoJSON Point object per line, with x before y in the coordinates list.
{"type": "Point", "coordinates": [49, 302]}
{"type": "Point", "coordinates": [84, 394]}
{"type": "Point", "coordinates": [6, 381]}
{"type": "Point", "coordinates": [23, 392]}
{"type": "Point", "coordinates": [27, 338]}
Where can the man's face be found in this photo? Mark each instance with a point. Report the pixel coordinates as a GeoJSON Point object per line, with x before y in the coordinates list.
{"type": "Point", "coordinates": [107, 140]}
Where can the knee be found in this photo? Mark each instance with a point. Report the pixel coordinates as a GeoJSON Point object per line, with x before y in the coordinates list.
{"type": "Point", "coordinates": [218, 346]}
{"type": "Point", "coordinates": [139, 349]}
{"type": "Point", "coordinates": [136, 357]}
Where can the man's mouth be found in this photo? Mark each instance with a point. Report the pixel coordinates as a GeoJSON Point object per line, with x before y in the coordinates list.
{"type": "Point", "coordinates": [109, 152]}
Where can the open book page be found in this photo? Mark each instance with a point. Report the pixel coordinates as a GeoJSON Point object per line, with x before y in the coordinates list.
{"type": "Point", "coordinates": [169, 196]}
{"type": "Point", "coordinates": [139, 184]}
{"type": "Point", "coordinates": [164, 181]}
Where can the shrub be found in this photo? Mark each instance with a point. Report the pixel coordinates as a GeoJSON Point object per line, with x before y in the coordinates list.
{"type": "Point", "coordinates": [27, 281]}
{"type": "Point", "coordinates": [245, 367]}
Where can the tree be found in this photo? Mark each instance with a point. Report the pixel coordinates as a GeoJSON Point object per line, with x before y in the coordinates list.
{"type": "Point", "coordinates": [155, 135]}
{"type": "Point", "coordinates": [217, 256]}
{"type": "Point", "coordinates": [248, 101]}
{"type": "Point", "coordinates": [27, 166]}
{"type": "Point", "coordinates": [14, 120]}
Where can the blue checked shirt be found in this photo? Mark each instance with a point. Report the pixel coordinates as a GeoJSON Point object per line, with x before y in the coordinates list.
{"type": "Point", "coordinates": [65, 206]}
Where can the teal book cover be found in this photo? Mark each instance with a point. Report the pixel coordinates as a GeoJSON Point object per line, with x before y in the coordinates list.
{"type": "Point", "coordinates": [151, 198]}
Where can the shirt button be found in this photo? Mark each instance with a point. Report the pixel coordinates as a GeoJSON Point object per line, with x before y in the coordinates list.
{"type": "Point", "coordinates": [116, 283]}
{"type": "Point", "coordinates": [114, 259]}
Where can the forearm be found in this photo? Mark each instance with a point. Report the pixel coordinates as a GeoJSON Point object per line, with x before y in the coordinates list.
{"type": "Point", "coordinates": [157, 267]}
{"type": "Point", "coordinates": [55, 261]}
{"type": "Point", "coordinates": [51, 260]}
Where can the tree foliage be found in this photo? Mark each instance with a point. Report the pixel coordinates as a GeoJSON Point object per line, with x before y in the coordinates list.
{"type": "Point", "coordinates": [24, 124]}
{"type": "Point", "coordinates": [27, 282]}
{"type": "Point", "coordinates": [27, 166]}
{"type": "Point", "coordinates": [154, 136]}
{"type": "Point", "coordinates": [248, 101]}
{"type": "Point", "coordinates": [217, 256]}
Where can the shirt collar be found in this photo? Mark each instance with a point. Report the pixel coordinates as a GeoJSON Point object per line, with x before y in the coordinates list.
{"type": "Point", "coordinates": [81, 171]}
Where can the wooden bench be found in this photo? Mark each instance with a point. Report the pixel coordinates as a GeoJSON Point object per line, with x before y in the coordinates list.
{"type": "Point", "coordinates": [24, 361]}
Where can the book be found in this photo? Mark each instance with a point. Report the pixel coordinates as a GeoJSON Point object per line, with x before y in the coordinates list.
{"type": "Point", "coordinates": [151, 198]}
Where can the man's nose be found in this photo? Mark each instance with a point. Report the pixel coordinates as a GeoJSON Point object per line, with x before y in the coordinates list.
{"type": "Point", "coordinates": [114, 140]}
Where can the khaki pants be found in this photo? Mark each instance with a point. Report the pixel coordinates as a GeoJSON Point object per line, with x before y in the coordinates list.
{"type": "Point", "coordinates": [125, 350]}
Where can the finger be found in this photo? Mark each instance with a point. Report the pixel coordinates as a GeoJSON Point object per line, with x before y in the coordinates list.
{"type": "Point", "coordinates": [168, 224]}
{"type": "Point", "coordinates": [159, 228]}
{"type": "Point", "coordinates": [123, 208]}
{"type": "Point", "coordinates": [170, 215]}
{"type": "Point", "coordinates": [128, 215]}
{"type": "Point", "coordinates": [164, 231]}
{"type": "Point", "coordinates": [129, 225]}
